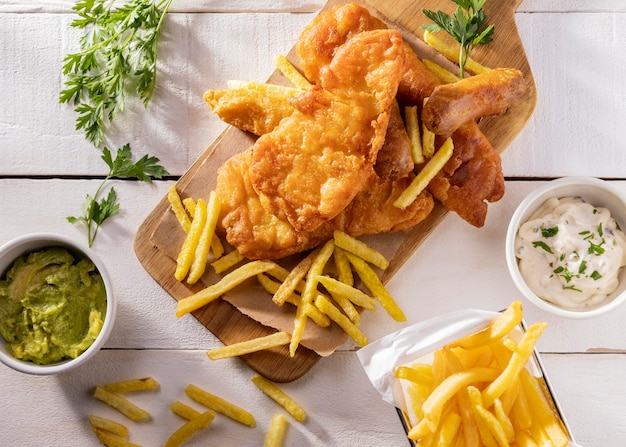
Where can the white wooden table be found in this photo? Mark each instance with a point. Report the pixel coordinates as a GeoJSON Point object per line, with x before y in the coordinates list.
{"type": "Point", "coordinates": [577, 51]}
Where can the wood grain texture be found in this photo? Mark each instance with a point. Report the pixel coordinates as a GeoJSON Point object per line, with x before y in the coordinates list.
{"type": "Point", "coordinates": [222, 319]}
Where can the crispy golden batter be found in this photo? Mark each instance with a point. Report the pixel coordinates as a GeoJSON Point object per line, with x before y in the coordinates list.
{"type": "Point", "coordinates": [258, 234]}
{"type": "Point", "coordinates": [471, 178]}
{"type": "Point", "coordinates": [491, 93]}
{"type": "Point", "coordinates": [252, 110]}
{"type": "Point", "coordinates": [311, 166]}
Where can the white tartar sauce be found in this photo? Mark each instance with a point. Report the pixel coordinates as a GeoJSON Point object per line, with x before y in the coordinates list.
{"type": "Point", "coordinates": [570, 252]}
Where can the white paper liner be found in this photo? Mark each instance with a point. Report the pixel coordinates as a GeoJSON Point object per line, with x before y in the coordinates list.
{"type": "Point", "coordinates": [408, 345]}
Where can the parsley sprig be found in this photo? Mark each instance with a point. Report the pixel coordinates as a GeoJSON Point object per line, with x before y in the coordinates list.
{"type": "Point", "coordinates": [467, 26]}
{"type": "Point", "coordinates": [96, 211]}
{"type": "Point", "coordinates": [117, 57]}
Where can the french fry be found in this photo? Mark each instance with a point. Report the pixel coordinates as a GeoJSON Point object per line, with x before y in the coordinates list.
{"type": "Point", "coordinates": [220, 405]}
{"type": "Point", "coordinates": [428, 140]}
{"type": "Point", "coordinates": [542, 411]}
{"type": "Point", "coordinates": [338, 288]}
{"type": "Point", "coordinates": [452, 53]}
{"type": "Point", "coordinates": [483, 421]}
{"type": "Point", "coordinates": [500, 327]}
{"type": "Point", "coordinates": [443, 392]}
{"type": "Point", "coordinates": [376, 287]}
{"type": "Point", "coordinates": [446, 76]}
{"type": "Point", "coordinates": [183, 410]}
{"type": "Point", "coordinates": [111, 440]}
{"type": "Point", "coordinates": [312, 312]}
{"type": "Point", "coordinates": [420, 373]}
{"type": "Point", "coordinates": [188, 429]}
{"type": "Point", "coordinates": [108, 425]}
{"type": "Point", "coordinates": [190, 206]}
{"type": "Point", "coordinates": [471, 432]}
{"type": "Point", "coordinates": [310, 291]}
{"type": "Point", "coordinates": [201, 252]}
{"type": "Point", "coordinates": [447, 431]}
{"type": "Point", "coordinates": [291, 73]}
{"type": "Point", "coordinates": [344, 322]}
{"type": "Point", "coordinates": [280, 397]}
{"type": "Point", "coordinates": [178, 208]}
{"type": "Point", "coordinates": [227, 261]}
{"type": "Point", "coordinates": [276, 432]}
{"type": "Point", "coordinates": [295, 276]}
{"type": "Point", "coordinates": [128, 386]}
{"type": "Point", "coordinates": [344, 271]}
{"type": "Point", "coordinates": [187, 251]}
{"type": "Point", "coordinates": [228, 282]}
{"type": "Point", "coordinates": [423, 178]}
{"type": "Point", "coordinates": [504, 420]}
{"type": "Point", "coordinates": [249, 346]}
{"type": "Point", "coordinates": [347, 307]}
{"type": "Point", "coordinates": [217, 247]}
{"type": "Point", "coordinates": [516, 364]}
{"type": "Point", "coordinates": [121, 404]}
{"type": "Point", "coordinates": [414, 134]}
{"type": "Point", "coordinates": [360, 249]}
{"type": "Point", "coordinates": [487, 418]}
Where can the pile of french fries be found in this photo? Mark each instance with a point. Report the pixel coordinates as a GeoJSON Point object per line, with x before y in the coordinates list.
{"type": "Point", "coordinates": [319, 293]}
{"type": "Point", "coordinates": [478, 392]}
{"type": "Point", "coordinates": [115, 434]}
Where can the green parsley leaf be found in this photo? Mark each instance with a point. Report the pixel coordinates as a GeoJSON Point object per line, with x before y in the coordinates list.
{"type": "Point", "coordinates": [543, 245]}
{"type": "Point", "coordinates": [549, 232]}
{"type": "Point", "coordinates": [95, 211]}
{"type": "Point", "coordinates": [117, 58]}
{"type": "Point", "coordinates": [468, 26]}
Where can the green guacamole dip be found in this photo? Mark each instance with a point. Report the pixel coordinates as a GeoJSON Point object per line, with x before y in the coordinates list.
{"type": "Point", "coordinates": [52, 306]}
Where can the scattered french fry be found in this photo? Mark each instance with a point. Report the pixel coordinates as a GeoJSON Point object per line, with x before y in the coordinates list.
{"type": "Point", "coordinates": [290, 283]}
{"type": "Point", "coordinates": [218, 289]}
{"type": "Point", "coordinates": [249, 346]}
{"type": "Point", "coordinates": [338, 288]}
{"type": "Point", "coordinates": [280, 397]}
{"type": "Point", "coordinates": [423, 178]}
{"type": "Point", "coordinates": [111, 440]}
{"type": "Point", "coordinates": [291, 73]}
{"type": "Point", "coordinates": [446, 76]}
{"type": "Point", "coordinates": [108, 425]}
{"type": "Point", "coordinates": [178, 208]}
{"type": "Point", "coordinates": [452, 53]}
{"type": "Point", "coordinates": [207, 234]}
{"type": "Point", "coordinates": [309, 293]}
{"type": "Point", "coordinates": [187, 251]}
{"type": "Point", "coordinates": [376, 287]}
{"type": "Point", "coordinates": [121, 404]}
{"type": "Point", "coordinates": [276, 432]}
{"type": "Point", "coordinates": [185, 431]}
{"type": "Point", "coordinates": [220, 405]}
{"type": "Point", "coordinates": [227, 261]}
{"type": "Point", "coordinates": [344, 271]}
{"type": "Point", "coordinates": [131, 385]}
{"type": "Point", "coordinates": [360, 249]}
{"type": "Point", "coordinates": [183, 410]}
{"type": "Point", "coordinates": [344, 322]}
{"type": "Point", "coordinates": [414, 134]}
{"type": "Point", "coordinates": [500, 327]}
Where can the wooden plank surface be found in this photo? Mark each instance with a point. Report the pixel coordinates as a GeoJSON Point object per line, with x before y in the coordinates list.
{"type": "Point", "coordinates": [225, 321]}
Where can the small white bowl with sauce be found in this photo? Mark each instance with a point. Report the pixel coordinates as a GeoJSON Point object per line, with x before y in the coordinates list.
{"type": "Point", "coordinates": [25, 245]}
{"type": "Point", "coordinates": [599, 194]}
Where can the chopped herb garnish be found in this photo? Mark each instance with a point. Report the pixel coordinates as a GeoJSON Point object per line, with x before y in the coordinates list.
{"type": "Point", "coordinates": [595, 275]}
{"type": "Point", "coordinates": [549, 232]}
{"type": "Point", "coordinates": [543, 245]}
{"type": "Point", "coordinates": [582, 267]}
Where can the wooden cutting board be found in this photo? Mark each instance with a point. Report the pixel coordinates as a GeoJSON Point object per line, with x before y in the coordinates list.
{"type": "Point", "coordinates": [226, 321]}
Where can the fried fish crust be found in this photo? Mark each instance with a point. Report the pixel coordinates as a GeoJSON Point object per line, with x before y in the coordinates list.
{"type": "Point", "coordinates": [311, 166]}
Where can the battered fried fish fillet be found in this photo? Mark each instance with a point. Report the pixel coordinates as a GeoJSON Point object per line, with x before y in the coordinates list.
{"type": "Point", "coordinates": [252, 110]}
{"type": "Point", "coordinates": [258, 234]}
{"type": "Point", "coordinates": [313, 164]}
{"type": "Point", "coordinates": [491, 93]}
{"type": "Point", "coordinates": [471, 178]}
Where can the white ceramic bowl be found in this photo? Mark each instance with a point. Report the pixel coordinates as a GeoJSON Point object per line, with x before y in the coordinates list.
{"type": "Point", "coordinates": [595, 191]}
{"type": "Point", "coordinates": [38, 241]}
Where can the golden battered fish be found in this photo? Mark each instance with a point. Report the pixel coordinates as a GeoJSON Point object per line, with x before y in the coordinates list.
{"type": "Point", "coordinates": [313, 164]}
